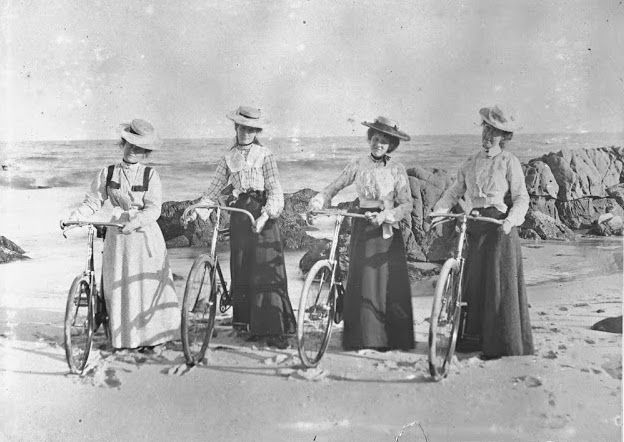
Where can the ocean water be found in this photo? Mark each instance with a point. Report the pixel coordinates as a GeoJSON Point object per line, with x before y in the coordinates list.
{"type": "Point", "coordinates": [186, 166]}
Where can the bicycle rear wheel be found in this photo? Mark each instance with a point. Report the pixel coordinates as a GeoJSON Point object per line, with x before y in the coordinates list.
{"type": "Point", "coordinates": [444, 322]}
{"type": "Point", "coordinates": [79, 323]}
{"type": "Point", "coordinates": [317, 307]}
{"type": "Point", "coordinates": [198, 310]}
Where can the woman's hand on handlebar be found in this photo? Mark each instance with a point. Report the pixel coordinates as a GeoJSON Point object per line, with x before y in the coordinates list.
{"type": "Point", "coordinates": [130, 227]}
{"type": "Point", "coordinates": [260, 222]}
{"type": "Point", "coordinates": [200, 212]}
{"type": "Point", "coordinates": [506, 226]}
{"type": "Point", "coordinates": [376, 218]}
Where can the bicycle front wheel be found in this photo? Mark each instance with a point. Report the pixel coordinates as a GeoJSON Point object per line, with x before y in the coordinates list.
{"type": "Point", "coordinates": [198, 310]}
{"type": "Point", "coordinates": [317, 308]}
{"type": "Point", "coordinates": [79, 323]}
{"type": "Point", "coordinates": [444, 322]}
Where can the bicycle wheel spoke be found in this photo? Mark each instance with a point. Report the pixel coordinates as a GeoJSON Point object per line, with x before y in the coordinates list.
{"type": "Point", "coordinates": [78, 325]}
{"type": "Point", "coordinates": [199, 310]}
{"type": "Point", "coordinates": [316, 311]}
{"type": "Point", "coordinates": [444, 322]}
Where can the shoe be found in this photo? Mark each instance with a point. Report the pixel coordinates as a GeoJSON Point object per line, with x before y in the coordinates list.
{"type": "Point", "coordinates": [488, 358]}
{"type": "Point", "coordinates": [468, 344]}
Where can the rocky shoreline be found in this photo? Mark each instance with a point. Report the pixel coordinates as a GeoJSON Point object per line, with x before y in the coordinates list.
{"type": "Point", "coordinates": [570, 191]}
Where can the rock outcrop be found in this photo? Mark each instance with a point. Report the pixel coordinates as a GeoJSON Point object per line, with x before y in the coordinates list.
{"type": "Point", "coordinates": [9, 251]}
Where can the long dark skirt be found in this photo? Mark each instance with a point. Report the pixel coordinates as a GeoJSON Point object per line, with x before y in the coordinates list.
{"type": "Point", "coordinates": [259, 285]}
{"type": "Point", "coordinates": [378, 301]}
{"type": "Point", "coordinates": [498, 311]}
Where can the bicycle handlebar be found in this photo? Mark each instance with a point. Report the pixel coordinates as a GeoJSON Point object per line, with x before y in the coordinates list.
{"type": "Point", "coordinates": [337, 212]}
{"type": "Point", "coordinates": [189, 209]}
{"type": "Point", "coordinates": [80, 223]}
{"type": "Point", "coordinates": [470, 217]}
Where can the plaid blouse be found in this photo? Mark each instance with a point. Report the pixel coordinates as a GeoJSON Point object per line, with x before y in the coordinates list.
{"type": "Point", "coordinates": [248, 168]}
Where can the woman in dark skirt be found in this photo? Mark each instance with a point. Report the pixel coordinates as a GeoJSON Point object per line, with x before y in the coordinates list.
{"type": "Point", "coordinates": [378, 303]}
{"type": "Point", "coordinates": [259, 287]}
{"type": "Point", "coordinates": [497, 320]}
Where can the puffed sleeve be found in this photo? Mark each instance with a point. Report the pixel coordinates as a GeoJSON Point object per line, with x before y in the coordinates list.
{"type": "Point", "coordinates": [94, 198]}
{"type": "Point", "coordinates": [403, 199]}
{"type": "Point", "coordinates": [273, 187]}
{"type": "Point", "coordinates": [519, 194]}
{"type": "Point", "coordinates": [453, 193]}
{"type": "Point", "coordinates": [324, 197]}
{"type": "Point", "coordinates": [219, 181]}
{"type": "Point", "coordinates": [152, 201]}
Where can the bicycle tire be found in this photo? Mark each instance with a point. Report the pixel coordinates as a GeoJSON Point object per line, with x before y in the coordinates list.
{"type": "Point", "coordinates": [317, 308]}
{"type": "Point", "coordinates": [79, 322]}
{"type": "Point", "coordinates": [444, 322]}
{"type": "Point", "coordinates": [198, 310]}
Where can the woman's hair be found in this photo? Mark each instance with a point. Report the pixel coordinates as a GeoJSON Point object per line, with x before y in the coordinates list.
{"type": "Point", "coordinates": [255, 140]}
{"type": "Point", "coordinates": [506, 136]}
{"type": "Point", "coordinates": [122, 143]}
{"type": "Point", "coordinates": [394, 141]}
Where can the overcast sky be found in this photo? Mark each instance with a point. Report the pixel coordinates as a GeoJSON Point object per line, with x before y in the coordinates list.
{"type": "Point", "coordinates": [76, 69]}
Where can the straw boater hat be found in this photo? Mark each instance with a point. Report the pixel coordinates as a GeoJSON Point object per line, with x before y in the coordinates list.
{"type": "Point", "coordinates": [247, 116]}
{"type": "Point", "coordinates": [387, 126]}
{"type": "Point", "coordinates": [499, 118]}
{"type": "Point", "coordinates": [141, 134]}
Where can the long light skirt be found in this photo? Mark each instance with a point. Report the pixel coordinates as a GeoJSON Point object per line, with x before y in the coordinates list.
{"type": "Point", "coordinates": [138, 286]}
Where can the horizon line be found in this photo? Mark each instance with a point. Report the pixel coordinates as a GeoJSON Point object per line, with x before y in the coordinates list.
{"type": "Point", "coordinates": [311, 136]}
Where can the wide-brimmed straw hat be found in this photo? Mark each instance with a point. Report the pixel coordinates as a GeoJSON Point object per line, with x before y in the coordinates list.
{"type": "Point", "coordinates": [387, 126]}
{"type": "Point", "coordinates": [499, 118]}
{"type": "Point", "coordinates": [140, 133]}
{"type": "Point", "coordinates": [247, 116]}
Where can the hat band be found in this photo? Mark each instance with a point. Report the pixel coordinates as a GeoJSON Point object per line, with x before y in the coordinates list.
{"type": "Point", "coordinates": [251, 117]}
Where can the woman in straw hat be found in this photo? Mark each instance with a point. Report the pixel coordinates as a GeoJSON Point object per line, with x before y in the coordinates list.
{"type": "Point", "coordinates": [377, 308]}
{"type": "Point", "coordinates": [137, 281]}
{"type": "Point", "coordinates": [259, 286]}
{"type": "Point", "coordinates": [497, 321]}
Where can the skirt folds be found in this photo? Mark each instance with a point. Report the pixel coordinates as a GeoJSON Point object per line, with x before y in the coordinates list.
{"type": "Point", "coordinates": [138, 287]}
{"type": "Point", "coordinates": [378, 303]}
{"type": "Point", "coordinates": [259, 285]}
{"type": "Point", "coordinates": [498, 310]}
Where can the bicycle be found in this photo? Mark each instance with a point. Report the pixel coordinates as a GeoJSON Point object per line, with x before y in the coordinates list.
{"type": "Point", "coordinates": [205, 288]}
{"type": "Point", "coordinates": [446, 320]}
{"type": "Point", "coordinates": [85, 310]}
{"type": "Point", "coordinates": [321, 291]}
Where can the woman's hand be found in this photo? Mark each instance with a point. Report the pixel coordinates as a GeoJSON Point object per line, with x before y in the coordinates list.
{"type": "Point", "coordinates": [376, 218]}
{"type": "Point", "coordinates": [506, 226]}
{"type": "Point", "coordinates": [261, 221]}
{"type": "Point", "coordinates": [203, 214]}
{"type": "Point", "coordinates": [130, 227]}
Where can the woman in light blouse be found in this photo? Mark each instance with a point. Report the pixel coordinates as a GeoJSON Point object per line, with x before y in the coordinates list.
{"type": "Point", "coordinates": [137, 280]}
{"type": "Point", "coordinates": [378, 304]}
{"type": "Point", "coordinates": [497, 321]}
{"type": "Point", "coordinates": [259, 286]}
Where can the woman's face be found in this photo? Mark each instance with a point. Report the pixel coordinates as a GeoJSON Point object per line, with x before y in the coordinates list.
{"type": "Point", "coordinates": [490, 138]}
{"type": "Point", "coordinates": [131, 152]}
{"type": "Point", "coordinates": [379, 144]}
{"type": "Point", "coordinates": [245, 134]}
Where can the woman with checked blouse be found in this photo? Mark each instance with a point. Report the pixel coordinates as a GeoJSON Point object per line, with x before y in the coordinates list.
{"type": "Point", "coordinates": [259, 287]}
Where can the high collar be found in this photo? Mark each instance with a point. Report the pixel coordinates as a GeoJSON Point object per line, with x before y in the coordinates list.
{"type": "Point", "coordinates": [494, 153]}
{"type": "Point", "coordinates": [383, 159]}
{"type": "Point", "coordinates": [129, 166]}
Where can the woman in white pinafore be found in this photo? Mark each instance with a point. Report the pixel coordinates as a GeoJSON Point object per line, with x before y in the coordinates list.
{"type": "Point", "coordinates": [138, 284]}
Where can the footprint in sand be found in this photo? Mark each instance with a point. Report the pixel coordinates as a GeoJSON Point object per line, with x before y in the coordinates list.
{"type": "Point", "coordinates": [527, 381]}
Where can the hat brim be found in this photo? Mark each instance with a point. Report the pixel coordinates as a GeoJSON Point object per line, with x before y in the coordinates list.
{"type": "Point", "coordinates": [144, 142]}
{"type": "Point", "coordinates": [388, 130]}
{"type": "Point", "coordinates": [256, 123]}
{"type": "Point", "coordinates": [485, 116]}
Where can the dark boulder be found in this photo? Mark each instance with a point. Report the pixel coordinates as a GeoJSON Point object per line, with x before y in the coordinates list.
{"type": "Point", "coordinates": [610, 325]}
{"type": "Point", "coordinates": [9, 251]}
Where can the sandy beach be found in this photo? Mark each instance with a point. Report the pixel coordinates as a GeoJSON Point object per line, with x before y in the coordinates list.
{"type": "Point", "coordinates": [569, 390]}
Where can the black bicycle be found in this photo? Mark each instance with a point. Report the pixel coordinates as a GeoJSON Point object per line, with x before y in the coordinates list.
{"type": "Point", "coordinates": [445, 322]}
{"type": "Point", "coordinates": [205, 288]}
{"type": "Point", "coordinates": [85, 310]}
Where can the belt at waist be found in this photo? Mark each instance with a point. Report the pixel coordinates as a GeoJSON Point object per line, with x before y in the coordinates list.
{"type": "Point", "coordinates": [372, 204]}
